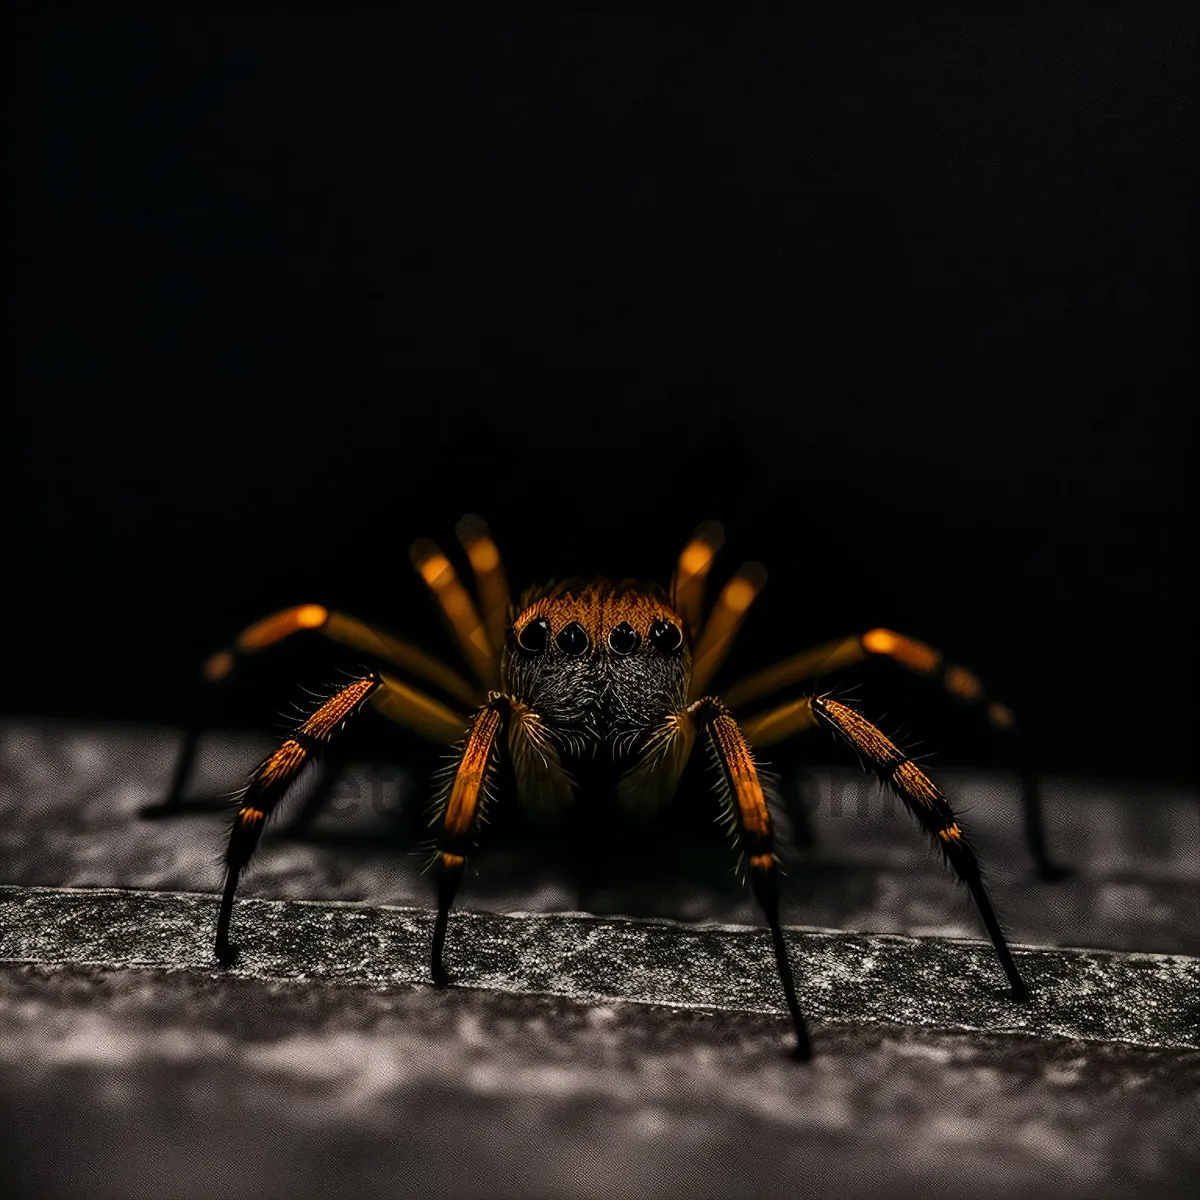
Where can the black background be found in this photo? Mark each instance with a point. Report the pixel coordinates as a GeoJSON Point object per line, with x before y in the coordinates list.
{"type": "Point", "coordinates": [905, 300]}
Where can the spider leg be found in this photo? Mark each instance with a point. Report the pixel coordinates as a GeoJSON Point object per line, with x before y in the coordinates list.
{"type": "Point", "coordinates": [656, 775]}
{"type": "Point", "coordinates": [347, 631]}
{"type": "Point", "coordinates": [752, 819]}
{"type": "Point", "coordinates": [331, 766]}
{"type": "Point", "coordinates": [883, 644]}
{"type": "Point", "coordinates": [1035, 828]}
{"type": "Point", "coordinates": [922, 799]}
{"type": "Point", "coordinates": [540, 778]}
{"type": "Point", "coordinates": [723, 624]}
{"type": "Point", "coordinates": [875, 644]}
{"type": "Point", "coordinates": [687, 586]}
{"type": "Point", "coordinates": [416, 711]}
{"type": "Point", "coordinates": [459, 814]}
{"type": "Point", "coordinates": [403, 706]}
{"type": "Point", "coordinates": [458, 609]}
{"type": "Point", "coordinates": [491, 583]}
{"type": "Point", "coordinates": [711, 638]}
{"type": "Point", "coordinates": [270, 631]}
{"type": "Point", "coordinates": [174, 803]}
{"type": "Point", "coordinates": [268, 784]}
{"type": "Point", "coordinates": [275, 774]}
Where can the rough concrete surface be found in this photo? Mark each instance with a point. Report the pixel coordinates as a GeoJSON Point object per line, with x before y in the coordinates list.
{"type": "Point", "coordinates": [1141, 999]}
{"type": "Point", "coordinates": [156, 1083]}
{"type": "Point", "coordinates": [618, 1051]}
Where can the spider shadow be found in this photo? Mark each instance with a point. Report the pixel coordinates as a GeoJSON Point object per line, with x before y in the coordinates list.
{"type": "Point", "coordinates": [594, 856]}
{"type": "Point", "coordinates": [591, 856]}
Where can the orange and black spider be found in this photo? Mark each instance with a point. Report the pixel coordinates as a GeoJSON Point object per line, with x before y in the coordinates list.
{"type": "Point", "coordinates": [595, 671]}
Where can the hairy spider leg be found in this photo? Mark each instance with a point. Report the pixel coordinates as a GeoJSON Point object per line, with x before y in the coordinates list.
{"type": "Point", "coordinates": [491, 583]}
{"type": "Point", "coordinates": [458, 610]}
{"type": "Point", "coordinates": [541, 781]}
{"type": "Point", "coordinates": [886, 645]}
{"type": "Point", "coordinates": [748, 806]}
{"type": "Point", "coordinates": [691, 572]}
{"type": "Point", "coordinates": [270, 780]}
{"type": "Point", "coordinates": [460, 812]}
{"type": "Point", "coordinates": [401, 705]}
{"type": "Point", "coordinates": [175, 803]}
{"type": "Point", "coordinates": [747, 812]}
{"type": "Point", "coordinates": [268, 784]}
{"type": "Point", "coordinates": [918, 792]}
{"type": "Point", "coordinates": [270, 631]}
{"type": "Point", "coordinates": [723, 624]}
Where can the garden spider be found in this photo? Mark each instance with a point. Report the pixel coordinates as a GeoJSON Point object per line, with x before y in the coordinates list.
{"type": "Point", "coordinates": [581, 667]}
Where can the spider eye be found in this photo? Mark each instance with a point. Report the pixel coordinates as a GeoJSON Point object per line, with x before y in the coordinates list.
{"type": "Point", "coordinates": [623, 638]}
{"type": "Point", "coordinates": [573, 640]}
{"type": "Point", "coordinates": [665, 636]}
{"type": "Point", "coordinates": [534, 636]}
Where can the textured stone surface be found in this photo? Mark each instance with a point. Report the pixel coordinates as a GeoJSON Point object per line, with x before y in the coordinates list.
{"type": "Point", "coordinates": [1141, 999]}
{"type": "Point", "coordinates": [118, 1083]}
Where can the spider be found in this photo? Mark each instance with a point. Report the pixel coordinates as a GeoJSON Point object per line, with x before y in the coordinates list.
{"type": "Point", "coordinates": [586, 671]}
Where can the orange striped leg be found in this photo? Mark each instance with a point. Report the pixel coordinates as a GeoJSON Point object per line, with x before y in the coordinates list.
{"type": "Point", "coordinates": [402, 705]}
{"type": "Point", "coordinates": [459, 816]}
{"type": "Point", "coordinates": [268, 784]}
{"type": "Point", "coordinates": [398, 703]}
{"type": "Point", "coordinates": [278, 627]}
{"type": "Point", "coordinates": [930, 808]}
{"type": "Point", "coordinates": [752, 819]}
{"type": "Point", "coordinates": [920, 659]}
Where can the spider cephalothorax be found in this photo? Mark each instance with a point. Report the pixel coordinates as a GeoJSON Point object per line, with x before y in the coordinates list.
{"type": "Point", "coordinates": [600, 662]}
{"type": "Point", "coordinates": [595, 670]}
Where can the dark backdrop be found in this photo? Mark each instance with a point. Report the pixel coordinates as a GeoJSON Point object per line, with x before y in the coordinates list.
{"type": "Point", "coordinates": [905, 300]}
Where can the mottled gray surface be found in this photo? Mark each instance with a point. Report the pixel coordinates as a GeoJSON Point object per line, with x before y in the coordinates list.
{"type": "Point", "coordinates": [152, 1084]}
{"type": "Point", "coordinates": [130, 1066]}
{"type": "Point", "coordinates": [1143, 999]}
